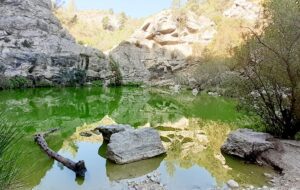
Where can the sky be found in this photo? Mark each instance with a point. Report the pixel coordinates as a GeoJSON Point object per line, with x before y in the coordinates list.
{"type": "Point", "coordinates": [133, 8]}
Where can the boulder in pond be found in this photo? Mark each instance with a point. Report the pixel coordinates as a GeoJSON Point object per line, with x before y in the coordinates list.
{"type": "Point", "coordinates": [247, 144]}
{"type": "Point", "coordinates": [108, 130]}
{"type": "Point", "coordinates": [134, 145]}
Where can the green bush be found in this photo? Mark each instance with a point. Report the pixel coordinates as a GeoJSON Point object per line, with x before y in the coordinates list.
{"type": "Point", "coordinates": [71, 77]}
{"type": "Point", "coordinates": [270, 69]}
{"type": "Point", "coordinates": [14, 82]}
{"type": "Point", "coordinates": [9, 134]}
{"type": "Point", "coordinates": [97, 83]}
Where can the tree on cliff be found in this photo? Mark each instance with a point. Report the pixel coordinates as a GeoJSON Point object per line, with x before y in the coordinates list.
{"type": "Point", "coordinates": [271, 68]}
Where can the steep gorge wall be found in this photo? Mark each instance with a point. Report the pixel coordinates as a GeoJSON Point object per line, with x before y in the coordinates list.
{"type": "Point", "coordinates": [33, 44]}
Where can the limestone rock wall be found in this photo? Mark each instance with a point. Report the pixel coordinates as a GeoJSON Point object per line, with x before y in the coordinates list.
{"type": "Point", "coordinates": [157, 51]}
{"type": "Point", "coordinates": [33, 44]}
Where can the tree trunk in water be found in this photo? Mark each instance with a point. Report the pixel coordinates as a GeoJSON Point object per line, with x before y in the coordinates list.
{"type": "Point", "coordinates": [79, 167]}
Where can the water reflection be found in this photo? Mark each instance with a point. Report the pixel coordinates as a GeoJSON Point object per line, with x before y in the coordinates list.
{"type": "Point", "coordinates": [192, 128]}
{"type": "Point", "coordinates": [134, 170]}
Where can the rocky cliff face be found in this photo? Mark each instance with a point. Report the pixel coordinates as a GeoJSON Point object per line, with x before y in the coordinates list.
{"type": "Point", "coordinates": [33, 44]}
{"type": "Point", "coordinates": [163, 49]}
{"type": "Point", "coordinates": [160, 48]}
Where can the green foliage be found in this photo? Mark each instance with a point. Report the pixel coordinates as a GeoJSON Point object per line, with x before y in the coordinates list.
{"type": "Point", "coordinates": [270, 67]}
{"type": "Point", "coordinates": [71, 77]}
{"type": "Point", "coordinates": [105, 23]}
{"type": "Point", "coordinates": [134, 84]}
{"type": "Point", "coordinates": [97, 83]}
{"type": "Point", "coordinates": [8, 171]}
{"type": "Point", "coordinates": [14, 82]}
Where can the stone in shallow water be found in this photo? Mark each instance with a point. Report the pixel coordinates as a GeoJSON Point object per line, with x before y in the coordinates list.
{"type": "Point", "coordinates": [134, 145]}
{"type": "Point", "coordinates": [247, 144]}
{"type": "Point", "coordinates": [108, 130]}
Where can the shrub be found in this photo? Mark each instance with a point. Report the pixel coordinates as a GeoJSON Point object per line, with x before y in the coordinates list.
{"type": "Point", "coordinates": [270, 68]}
{"type": "Point", "coordinates": [97, 83]}
{"type": "Point", "coordinates": [8, 167]}
{"type": "Point", "coordinates": [14, 82]}
{"type": "Point", "coordinates": [71, 77]}
{"type": "Point", "coordinates": [27, 43]}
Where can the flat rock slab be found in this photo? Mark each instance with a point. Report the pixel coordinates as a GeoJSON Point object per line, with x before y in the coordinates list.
{"type": "Point", "coordinates": [134, 145]}
{"type": "Point", "coordinates": [247, 144]}
{"type": "Point", "coordinates": [108, 130]}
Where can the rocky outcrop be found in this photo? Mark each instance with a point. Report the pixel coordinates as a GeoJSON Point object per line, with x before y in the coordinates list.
{"type": "Point", "coordinates": [244, 9]}
{"type": "Point", "coordinates": [134, 145]}
{"type": "Point", "coordinates": [161, 47]}
{"type": "Point", "coordinates": [109, 130]}
{"type": "Point", "coordinates": [33, 44]}
{"type": "Point", "coordinates": [262, 148]}
{"type": "Point", "coordinates": [246, 144]}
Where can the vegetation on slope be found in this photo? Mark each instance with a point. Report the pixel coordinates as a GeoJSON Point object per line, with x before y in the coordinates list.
{"type": "Point", "coordinates": [101, 29]}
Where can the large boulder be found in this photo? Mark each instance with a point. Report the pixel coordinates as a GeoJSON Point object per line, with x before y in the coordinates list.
{"type": "Point", "coordinates": [109, 130]}
{"type": "Point", "coordinates": [134, 145]}
{"type": "Point", "coordinates": [247, 144]}
{"type": "Point", "coordinates": [33, 44]}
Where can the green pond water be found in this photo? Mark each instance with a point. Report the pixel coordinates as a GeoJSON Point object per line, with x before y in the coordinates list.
{"type": "Point", "coordinates": [192, 127]}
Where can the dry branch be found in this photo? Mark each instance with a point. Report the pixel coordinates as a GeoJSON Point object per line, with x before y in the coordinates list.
{"type": "Point", "coordinates": [79, 167]}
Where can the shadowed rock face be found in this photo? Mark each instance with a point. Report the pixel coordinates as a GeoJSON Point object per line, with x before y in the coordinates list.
{"type": "Point", "coordinates": [34, 44]}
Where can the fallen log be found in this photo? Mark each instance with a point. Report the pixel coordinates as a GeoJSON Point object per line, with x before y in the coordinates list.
{"type": "Point", "coordinates": [79, 167]}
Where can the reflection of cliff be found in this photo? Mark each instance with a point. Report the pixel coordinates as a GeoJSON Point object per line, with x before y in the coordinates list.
{"type": "Point", "coordinates": [197, 142]}
{"type": "Point", "coordinates": [203, 106]}
{"type": "Point", "coordinates": [139, 106]}
{"type": "Point", "coordinates": [51, 108]}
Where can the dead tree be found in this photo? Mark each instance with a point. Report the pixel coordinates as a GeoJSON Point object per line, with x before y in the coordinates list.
{"type": "Point", "coordinates": [79, 167]}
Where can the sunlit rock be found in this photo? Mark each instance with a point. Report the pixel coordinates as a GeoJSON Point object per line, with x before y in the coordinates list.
{"type": "Point", "coordinates": [247, 144]}
{"type": "Point", "coordinates": [245, 9]}
{"type": "Point", "coordinates": [108, 130]}
{"type": "Point", "coordinates": [134, 145]}
{"type": "Point", "coordinates": [161, 47]}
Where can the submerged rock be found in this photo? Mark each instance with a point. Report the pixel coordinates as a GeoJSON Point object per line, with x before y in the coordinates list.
{"type": "Point", "coordinates": [108, 130]}
{"type": "Point", "coordinates": [134, 145]}
{"type": "Point", "coordinates": [246, 144]}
